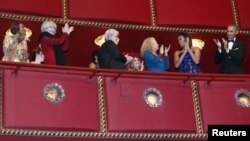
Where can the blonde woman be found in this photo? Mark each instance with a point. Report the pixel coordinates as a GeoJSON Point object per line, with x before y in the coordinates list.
{"type": "Point", "coordinates": [155, 62]}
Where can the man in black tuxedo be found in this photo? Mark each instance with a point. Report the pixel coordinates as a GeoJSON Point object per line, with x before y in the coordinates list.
{"type": "Point", "coordinates": [109, 56]}
{"type": "Point", "coordinates": [230, 53]}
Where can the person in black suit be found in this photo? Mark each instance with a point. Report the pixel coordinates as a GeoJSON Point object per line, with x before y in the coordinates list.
{"type": "Point", "coordinates": [230, 53]}
{"type": "Point", "coordinates": [109, 56]}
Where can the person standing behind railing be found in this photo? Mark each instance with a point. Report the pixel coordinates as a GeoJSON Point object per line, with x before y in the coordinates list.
{"type": "Point", "coordinates": [52, 46]}
{"type": "Point", "coordinates": [188, 58]}
{"type": "Point", "coordinates": [15, 46]}
{"type": "Point", "coordinates": [154, 62]}
{"type": "Point", "coordinates": [109, 56]}
{"type": "Point", "coordinates": [230, 53]}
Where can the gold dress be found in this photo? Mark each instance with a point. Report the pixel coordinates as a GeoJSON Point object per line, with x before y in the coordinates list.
{"type": "Point", "coordinates": [13, 50]}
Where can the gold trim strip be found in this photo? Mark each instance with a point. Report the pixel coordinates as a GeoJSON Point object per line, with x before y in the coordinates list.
{"type": "Point", "coordinates": [195, 94]}
{"type": "Point", "coordinates": [152, 12]}
{"type": "Point", "coordinates": [1, 100]}
{"type": "Point", "coordinates": [69, 134]}
{"type": "Point", "coordinates": [102, 107]}
{"type": "Point", "coordinates": [235, 12]}
{"type": "Point", "coordinates": [65, 9]}
{"type": "Point", "coordinates": [11, 16]}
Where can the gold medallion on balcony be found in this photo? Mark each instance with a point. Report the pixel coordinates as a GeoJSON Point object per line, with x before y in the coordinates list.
{"type": "Point", "coordinates": [152, 97]}
{"type": "Point", "coordinates": [54, 92]}
{"type": "Point", "coordinates": [243, 98]}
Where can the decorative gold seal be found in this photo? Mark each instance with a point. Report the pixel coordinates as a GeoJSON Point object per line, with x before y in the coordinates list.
{"type": "Point", "coordinates": [243, 97]}
{"type": "Point", "coordinates": [54, 92]}
{"type": "Point", "coordinates": [152, 97]}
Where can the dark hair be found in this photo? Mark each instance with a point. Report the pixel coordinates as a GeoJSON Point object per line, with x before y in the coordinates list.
{"type": "Point", "coordinates": [14, 29]}
{"type": "Point", "coordinates": [186, 35]}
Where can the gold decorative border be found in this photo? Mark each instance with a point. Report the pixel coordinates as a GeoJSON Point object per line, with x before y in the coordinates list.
{"type": "Point", "coordinates": [195, 94]}
{"type": "Point", "coordinates": [152, 12]}
{"type": "Point", "coordinates": [1, 100]}
{"type": "Point", "coordinates": [65, 9]}
{"type": "Point", "coordinates": [235, 12]}
{"type": "Point", "coordinates": [42, 133]}
{"type": "Point", "coordinates": [102, 109]}
{"type": "Point", "coordinates": [114, 25]}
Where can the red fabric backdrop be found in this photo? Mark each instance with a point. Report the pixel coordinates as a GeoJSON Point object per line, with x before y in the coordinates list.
{"type": "Point", "coordinates": [82, 44]}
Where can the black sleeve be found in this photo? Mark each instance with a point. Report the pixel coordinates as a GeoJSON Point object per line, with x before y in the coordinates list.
{"type": "Point", "coordinates": [218, 57]}
{"type": "Point", "coordinates": [112, 49]}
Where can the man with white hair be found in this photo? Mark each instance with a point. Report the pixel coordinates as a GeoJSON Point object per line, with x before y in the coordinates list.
{"type": "Point", "coordinates": [53, 47]}
{"type": "Point", "coordinates": [109, 56]}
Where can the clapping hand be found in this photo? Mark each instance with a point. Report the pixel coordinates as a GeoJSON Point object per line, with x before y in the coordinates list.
{"type": "Point", "coordinates": [161, 49]}
{"type": "Point", "coordinates": [217, 42]}
{"type": "Point", "coordinates": [225, 43]}
{"type": "Point", "coordinates": [167, 50]}
{"type": "Point", "coordinates": [129, 58]}
{"type": "Point", "coordinates": [67, 29]}
{"type": "Point", "coordinates": [142, 66]}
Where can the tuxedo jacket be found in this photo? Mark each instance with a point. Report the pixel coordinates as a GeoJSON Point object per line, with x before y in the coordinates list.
{"type": "Point", "coordinates": [231, 62]}
{"type": "Point", "coordinates": [109, 56]}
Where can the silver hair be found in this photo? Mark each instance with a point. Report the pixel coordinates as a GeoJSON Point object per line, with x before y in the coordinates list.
{"type": "Point", "coordinates": [47, 24]}
{"type": "Point", "coordinates": [109, 33]}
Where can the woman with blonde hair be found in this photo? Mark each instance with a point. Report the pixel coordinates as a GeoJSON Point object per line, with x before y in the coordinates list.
{"type": "Point", "coordinates": [155, 62]}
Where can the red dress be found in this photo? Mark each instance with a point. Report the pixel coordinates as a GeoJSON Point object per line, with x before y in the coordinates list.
{"type": "Point", "coordinates": [48, 42]}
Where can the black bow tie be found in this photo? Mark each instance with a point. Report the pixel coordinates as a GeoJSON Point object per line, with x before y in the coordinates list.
{"type": "Point", "coordinates": [230, 41]}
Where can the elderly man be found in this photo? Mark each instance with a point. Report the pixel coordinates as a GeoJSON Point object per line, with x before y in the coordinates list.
{"type": "Point", "coordinates": [109, 56]}
{"type": "Point", "coordinates": [53, 47]}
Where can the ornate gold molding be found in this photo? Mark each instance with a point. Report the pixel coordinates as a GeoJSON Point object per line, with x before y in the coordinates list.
{"type": "Point", "coordinates": [195, 94]}
{"type": "Point", "coordinates": [1, 100]}
{"type": "Point", "coordinates": [235, 12]}
{"type": "Point", "coordinates": [22, 17]}
{"type": "Point", "coordinates": [110, 25]}
{"type": "Point", "coordinates": [102, 109]}
{"type": "Point", "coordinates": [71, 134]}
{"type": "Point", "coordinates": [152, 12]}
{"type": "Point", "coordinates": [65, 9]}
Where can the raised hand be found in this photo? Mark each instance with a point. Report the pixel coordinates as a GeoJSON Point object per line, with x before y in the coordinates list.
{"type": "Point", "coordinates": [129, 58]}
{"type": "Point", "coordinates": [142, 66]}
{"type": "Point", "coordinates": [167, 50]}
{"type": "Point", "coordinates": [67, 29]}
{"type": "Point", "coordinates": [225, 43]}
{"type": "Point", "coordinates": [217, 42]}
{"type": "Point", "coordinates": [161, 49]}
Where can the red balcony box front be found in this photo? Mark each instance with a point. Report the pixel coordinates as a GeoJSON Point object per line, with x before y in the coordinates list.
{"type": "Point", "coordinates": [127, 110]}
{"type": "Point", "coordinates": [219, 106]}
{"type": "Point", "coordinates": [24, 105]}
